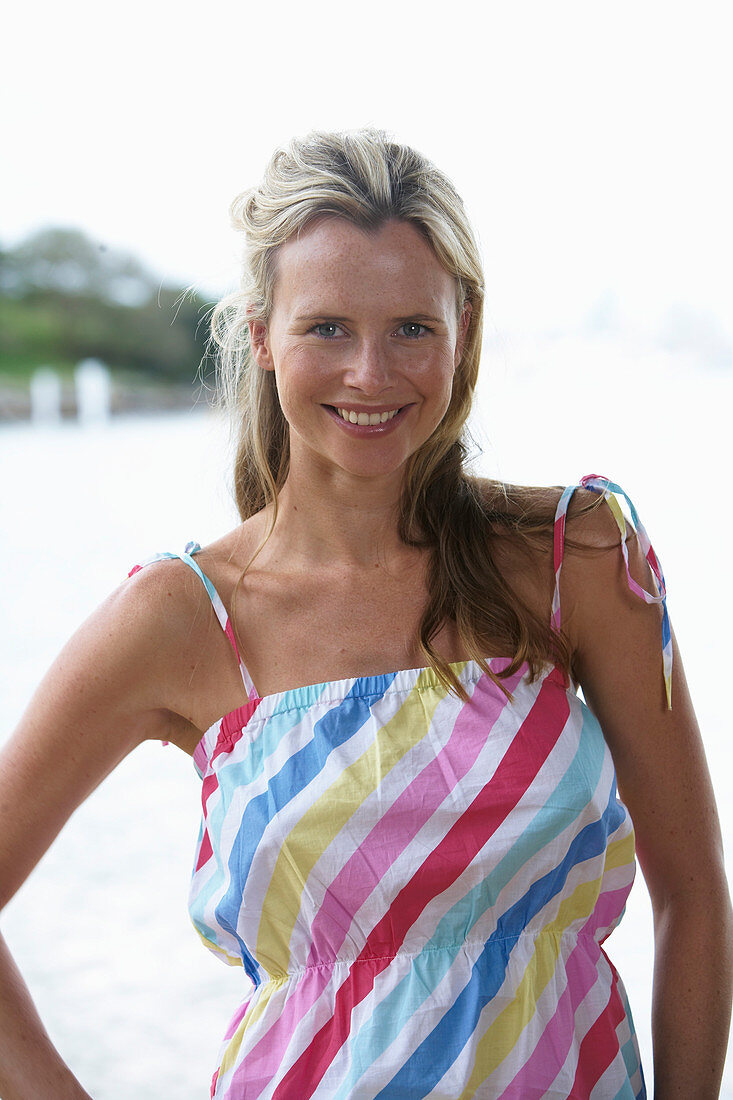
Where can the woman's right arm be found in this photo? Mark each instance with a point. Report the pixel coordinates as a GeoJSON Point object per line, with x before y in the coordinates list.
{"type": "Point", "coordinates": [110, 688]}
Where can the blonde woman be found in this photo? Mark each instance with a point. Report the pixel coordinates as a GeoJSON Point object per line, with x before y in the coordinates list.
{"type": "Point", "coordinates": [412, 840]}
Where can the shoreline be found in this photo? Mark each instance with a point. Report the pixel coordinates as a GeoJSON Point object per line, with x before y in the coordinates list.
{"type": "Point", "coordinates": [125, 398]}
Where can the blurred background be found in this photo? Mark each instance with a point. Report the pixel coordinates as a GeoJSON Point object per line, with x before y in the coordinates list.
{"type": "Point", "coordinates": [589, 142]}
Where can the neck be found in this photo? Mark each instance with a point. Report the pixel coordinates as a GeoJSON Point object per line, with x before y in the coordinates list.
{"type": "Point", "coordinates": [347, 523]}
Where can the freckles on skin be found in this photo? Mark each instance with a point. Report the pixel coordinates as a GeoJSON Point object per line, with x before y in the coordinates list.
{"type": "Point", "coordinates": [335, 267]}
{"type": "Point", "coordinates": [340, 335]}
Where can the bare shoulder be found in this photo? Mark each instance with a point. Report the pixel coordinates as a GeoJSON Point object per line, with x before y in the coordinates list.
{"type": "Point", "coordinates": [123, 654]}
{"type": "Point", "coordinates": [145, 665]}
{"type": "Point", "coordinates": [109, 689]}
{"type": "Point", "coordinates": [590, 524]}
{"type": "Point", "coordinates": [593, 579]}
{"type": "Point", "coordinates": [160, 608]}
{"type": "Point", "coordinates": [118, 679]}
{"type": "Point", "coordinates": [171, 600]}
{"type": "Point", "coordinates": [617, 638]}
{"type": "Point", "coordinates": [595, 585]}
{"type": "Point", "coordinates": [197, 676]}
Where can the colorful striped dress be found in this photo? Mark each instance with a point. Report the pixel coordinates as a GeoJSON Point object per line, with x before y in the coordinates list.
{"type": "Point", "coordinates": [417, 887]}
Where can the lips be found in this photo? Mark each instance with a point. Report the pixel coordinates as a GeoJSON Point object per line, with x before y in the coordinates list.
{"type": "Point", "coordinates": [364, 420]}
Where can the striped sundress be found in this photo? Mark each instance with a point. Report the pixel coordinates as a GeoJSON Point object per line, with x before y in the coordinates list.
{"type": "Point", "coordinates": [417, 887]}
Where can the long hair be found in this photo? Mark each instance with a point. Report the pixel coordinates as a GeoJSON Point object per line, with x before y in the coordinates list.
{"type": "Point", "coordinates": [368, 179]}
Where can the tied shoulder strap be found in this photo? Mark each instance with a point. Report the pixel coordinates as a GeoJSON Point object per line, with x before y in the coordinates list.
{"type": "Point", "coordinates": [216, 602]}
{"type": "Point", "coordinates": [609, 489]}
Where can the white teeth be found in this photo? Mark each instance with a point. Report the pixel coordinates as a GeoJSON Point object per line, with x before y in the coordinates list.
{"type": "Point", "coordinates": [364, 418]}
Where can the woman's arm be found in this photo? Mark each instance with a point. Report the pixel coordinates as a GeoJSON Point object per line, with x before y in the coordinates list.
{"type": "Point", "coordinates": [106, 692]}
{"type": "Point", "coordinates": [664, 781]}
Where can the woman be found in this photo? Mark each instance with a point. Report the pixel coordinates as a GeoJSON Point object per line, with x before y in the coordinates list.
{"type": "Point", "coordinates": [416, 856]}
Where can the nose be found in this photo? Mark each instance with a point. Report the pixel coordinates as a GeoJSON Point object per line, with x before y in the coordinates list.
{"type": "Point", "coordinates": [369, 368]}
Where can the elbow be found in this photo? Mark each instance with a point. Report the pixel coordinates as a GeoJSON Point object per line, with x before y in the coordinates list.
{"type": "Point", "coordinates": [701, 907]}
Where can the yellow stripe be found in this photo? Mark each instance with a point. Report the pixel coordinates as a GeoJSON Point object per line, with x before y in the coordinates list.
{"type": "Point", "coordinates": [231, 1053]}
{"type": "Point", "coordinates": [503, 1033]}
{"type": "Point", "coordinates": [620, 852]}
{"type": "Point", "coordinates": [618, 515]}
{"type": "Point", "coordinates": [322, 822]}
{"type": "Point", "coordinates": [496, 1043]}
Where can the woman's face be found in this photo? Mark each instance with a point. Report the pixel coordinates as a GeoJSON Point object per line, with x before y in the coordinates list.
{"type": "Point", "coordinates": [364, 341]}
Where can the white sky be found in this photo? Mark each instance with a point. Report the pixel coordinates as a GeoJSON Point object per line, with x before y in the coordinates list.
{"type": "Point", "coordinates": [590, 140]}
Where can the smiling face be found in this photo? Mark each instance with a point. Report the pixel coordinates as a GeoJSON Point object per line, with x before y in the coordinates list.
{"type": "Point", "coordinates": [364, 340]}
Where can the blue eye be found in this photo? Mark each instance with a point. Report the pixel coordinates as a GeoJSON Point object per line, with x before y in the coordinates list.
{"type": "Point", "coordinates": [414, 325]}
{"type": "Point", "coordinates": [329, 330]}
{"type": "Point", "coordinates": [326, 325]}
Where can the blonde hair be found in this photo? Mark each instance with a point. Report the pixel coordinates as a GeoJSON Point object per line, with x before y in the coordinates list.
{"type": "Point", "coordinates": [366, 178]}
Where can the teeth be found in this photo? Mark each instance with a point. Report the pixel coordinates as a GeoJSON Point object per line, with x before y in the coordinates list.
{"type": "Point", "coordinates": [364, 418]}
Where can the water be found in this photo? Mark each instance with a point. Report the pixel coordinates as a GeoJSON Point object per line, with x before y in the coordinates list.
{"type": "Point", "coordinates": [132, 999]}
{"type": "Point", "coordinates": [100, 929]}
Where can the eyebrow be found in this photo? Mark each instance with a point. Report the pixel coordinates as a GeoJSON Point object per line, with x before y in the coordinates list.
{"type": "Point", "coordinates": [348, 320]}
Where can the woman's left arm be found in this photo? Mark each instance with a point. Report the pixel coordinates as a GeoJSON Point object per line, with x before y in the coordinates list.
{"type": "Point", "coordinates": [664, 781]}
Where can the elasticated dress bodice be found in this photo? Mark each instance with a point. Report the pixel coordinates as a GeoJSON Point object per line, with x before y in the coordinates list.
{"type": "Point", "coordinates": [417, 887]}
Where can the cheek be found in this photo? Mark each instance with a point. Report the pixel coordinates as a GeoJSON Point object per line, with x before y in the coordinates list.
{"type": "Point", "coordinates": [300, 378]}
{"type": "Point", "coordinates": [438, 376]}
{"type": "Point", "coordinates": [446, 384]}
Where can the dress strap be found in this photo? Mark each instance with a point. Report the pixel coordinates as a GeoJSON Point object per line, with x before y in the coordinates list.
{"type": "Point", "coordinates": [216, 602]}
{"type": "Point", "coordinates": [609, 490]}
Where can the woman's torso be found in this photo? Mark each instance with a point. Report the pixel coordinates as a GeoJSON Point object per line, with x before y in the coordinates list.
{"type": "Point", "coordinates": [412, 881]}
{"type": "Point", "coordinates": [419, 888]}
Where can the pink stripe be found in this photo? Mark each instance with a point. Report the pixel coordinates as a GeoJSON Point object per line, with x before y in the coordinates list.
{"type": "Point", "coordinates": [232, 727]}
{"type": "Point", "coordinates": [553, 1046]}
{"type": "Point", "coordinates": [520, 764]}
{"type": "Point", "coordinates": [600, 1044]}
{"type": "Point", "coordinates": [228, 630]}
{"type": "Point", "coordinates": [606, 910]}
{"type": "Point", "coordinates": [548, 1056]}
{"type": "Point", "coordinates": [363, 871]}
{"type": "Point", "coordinates": [205, 851]}
{"type": "Point", "coordinates": [365, 868]}
{"type": "Point", "coordinates": [236, 1019]}
{"type": "Point", "coordinates": [199, 756]}
{"type": "Point", "coordinates": [208, 786]}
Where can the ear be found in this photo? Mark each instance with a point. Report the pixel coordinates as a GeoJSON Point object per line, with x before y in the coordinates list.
{"type": "Point", "coordinates": [463, 322]}
{"type": "Point", "coordinates": [260, 344]}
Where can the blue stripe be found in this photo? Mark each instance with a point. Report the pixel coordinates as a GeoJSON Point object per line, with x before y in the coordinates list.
{"type": "Point", "coordinates": [332, 730]}
{"type": "Point", "coordinates": [626, 1092]}
{"type": "Point", "coordinates": [421, 1072]}
{"type": "Point", "coordinates": [630, 1055]}
{"type": "Point", "coordinates": [231, 779]}
{"type": "Point", "coordinates": [572, 794]}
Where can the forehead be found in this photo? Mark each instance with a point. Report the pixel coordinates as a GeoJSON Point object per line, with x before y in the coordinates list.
{"type": "Point", "coordinates": [332, 258]}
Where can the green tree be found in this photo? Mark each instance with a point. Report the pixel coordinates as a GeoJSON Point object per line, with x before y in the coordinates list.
{"type": "Point", "coordinates": [65, 297]}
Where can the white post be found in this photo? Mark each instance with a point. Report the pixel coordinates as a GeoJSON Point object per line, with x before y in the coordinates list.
{"type": "Point", "coordinates": [93, 391]}
{"type": "Point", "coordinates": [45, 396]}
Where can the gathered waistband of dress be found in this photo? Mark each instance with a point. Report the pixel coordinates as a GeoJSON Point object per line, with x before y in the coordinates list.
{"type": "Point", "coordinates": [569, 935]}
